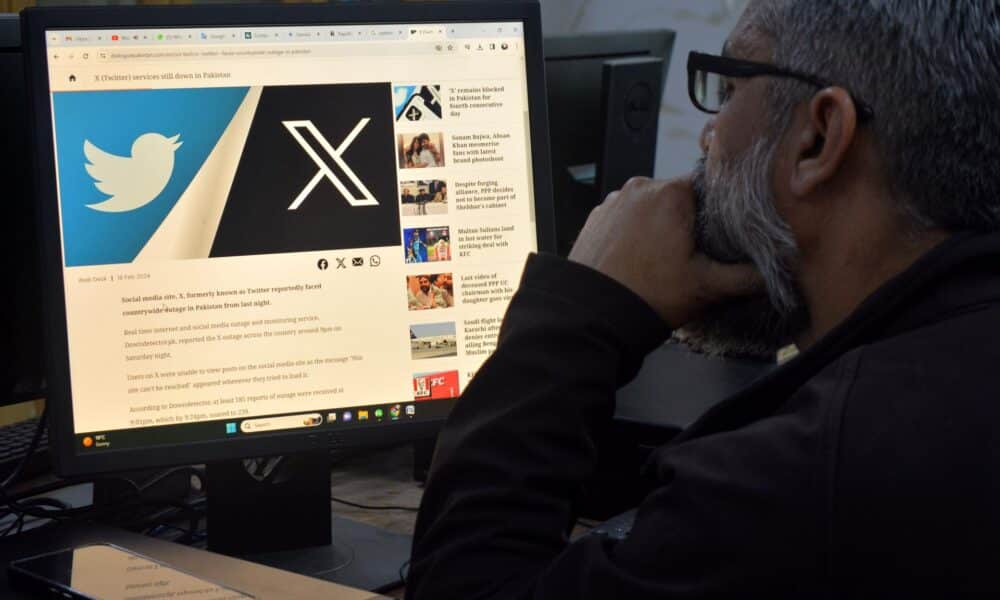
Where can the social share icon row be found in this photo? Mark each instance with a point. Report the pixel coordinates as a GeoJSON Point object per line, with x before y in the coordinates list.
{"type": "Point", "coordinates": [340, 263]}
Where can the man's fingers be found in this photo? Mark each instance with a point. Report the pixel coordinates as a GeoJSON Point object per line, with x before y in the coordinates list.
{"type": "Point", "coordinates": [677, 198]}
{"type": "Point", "coordinates": [722, 280]}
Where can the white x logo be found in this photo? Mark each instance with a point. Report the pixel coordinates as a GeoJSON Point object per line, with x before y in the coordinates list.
{"type": "Point", "coordinates": [324, 169]}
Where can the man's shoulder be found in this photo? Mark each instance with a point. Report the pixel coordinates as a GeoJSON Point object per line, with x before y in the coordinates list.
{"type": "Point", "coordinates": [916, 443]}
{"type": "Point", "coordinates": [940, 372]}
{"type": "Point", "coordinates": [954, 346]}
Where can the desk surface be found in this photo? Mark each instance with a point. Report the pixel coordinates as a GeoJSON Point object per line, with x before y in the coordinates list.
{"type": "Point", "coordinates": [257, 580]}
{"type": "Point", "coordinates": [375, 478]}
{"type": "Point", "coordinates": [21, 411]}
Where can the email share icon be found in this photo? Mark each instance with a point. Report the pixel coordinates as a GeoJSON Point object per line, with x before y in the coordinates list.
{"type": "Point", "coordinates": [358, 261]}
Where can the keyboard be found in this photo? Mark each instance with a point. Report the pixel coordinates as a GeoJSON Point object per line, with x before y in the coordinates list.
{"type": "Point", "coordinates": [14, 441]}
{"type": "Point", "coordinates": [616, 528]}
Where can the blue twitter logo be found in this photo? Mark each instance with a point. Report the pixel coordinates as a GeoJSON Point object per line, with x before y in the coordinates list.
{"type": "Point", "coordinates": [125, 158]}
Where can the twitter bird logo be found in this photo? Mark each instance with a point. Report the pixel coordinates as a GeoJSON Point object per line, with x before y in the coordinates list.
{"type": "Point", "coordinates": [132, 182]}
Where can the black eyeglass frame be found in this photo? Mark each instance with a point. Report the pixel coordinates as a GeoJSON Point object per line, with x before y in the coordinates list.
{"type": "Point", "coordinates": [744, 69]}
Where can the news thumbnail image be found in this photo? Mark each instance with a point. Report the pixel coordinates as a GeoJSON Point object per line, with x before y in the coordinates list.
{"type": "Point", "coordinates": [441, 385]}
{"type": "Point", "coordinates": [430, 292]}
{"type": "Point", "coordinates": [198, 173]}
{"type": "Point", "coordinates": [420, 150]}
{"type": "Point", "coordinates": [423, 198]}
{"type": "Point", "coordinates": [426, 244]}
{"type": "Point", "coordinates": [433, 340]}
{"type": "Point", "coordinates": [417, 102]}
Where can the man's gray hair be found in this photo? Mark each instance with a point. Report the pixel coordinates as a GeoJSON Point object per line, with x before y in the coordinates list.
{"type": "Point", "coordinates": [930, 69]}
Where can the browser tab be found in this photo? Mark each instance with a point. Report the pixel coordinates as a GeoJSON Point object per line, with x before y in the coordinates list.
{"type": "Point", "coordinates": [426, 32]}
{"type": "Point", "coordinates": [388, 33]}
{"type": "Point", "coordinates": [345, 34]}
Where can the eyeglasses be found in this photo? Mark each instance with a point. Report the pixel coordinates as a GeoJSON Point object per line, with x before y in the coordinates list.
{"type": "Point", "coordinates": [709, 88]}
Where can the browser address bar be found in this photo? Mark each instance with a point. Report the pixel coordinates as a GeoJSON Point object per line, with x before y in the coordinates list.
{"type": "Point", "coordinates": [202, 54]}
{"type": "Point", "coordinates": [273, 52]}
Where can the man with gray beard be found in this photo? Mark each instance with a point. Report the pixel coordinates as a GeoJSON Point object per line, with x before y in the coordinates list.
{"type": "Point", "coordinates": [848, 202]}
{"type": "Point", "coordinates": [758, 325]}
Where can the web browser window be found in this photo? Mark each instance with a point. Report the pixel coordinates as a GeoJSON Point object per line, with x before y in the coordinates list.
{"type": "Point", "coordinates": [276, 228]}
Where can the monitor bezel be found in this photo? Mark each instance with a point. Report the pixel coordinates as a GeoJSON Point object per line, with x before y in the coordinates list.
{"type": "Point", "coordinates": [36, 21]}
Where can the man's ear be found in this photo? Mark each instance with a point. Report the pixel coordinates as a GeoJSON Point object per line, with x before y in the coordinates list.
{"type": "Point", "coordinates": [825, 135]}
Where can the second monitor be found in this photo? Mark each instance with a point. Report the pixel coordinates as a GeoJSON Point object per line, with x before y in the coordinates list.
{"type": "Point", "coordinates": [604, 94]}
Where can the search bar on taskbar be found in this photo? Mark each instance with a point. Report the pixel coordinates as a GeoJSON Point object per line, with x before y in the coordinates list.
{"type": "Point", "coordinates": [278, 423]}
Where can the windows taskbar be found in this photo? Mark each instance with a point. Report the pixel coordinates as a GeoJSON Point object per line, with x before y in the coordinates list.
{"type": "Point", "coordinates": [248, 427]}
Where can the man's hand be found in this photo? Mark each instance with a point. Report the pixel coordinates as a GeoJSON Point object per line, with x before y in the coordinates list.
{"type": "Point", "coordinates": [643, 237]}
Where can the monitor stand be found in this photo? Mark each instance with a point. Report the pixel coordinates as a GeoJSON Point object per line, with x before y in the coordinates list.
{"type": "Point", "coordinates": [283, 519]}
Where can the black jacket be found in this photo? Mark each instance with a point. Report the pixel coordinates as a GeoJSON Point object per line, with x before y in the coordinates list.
{"type": "Point", "coordinates": [867, 466]}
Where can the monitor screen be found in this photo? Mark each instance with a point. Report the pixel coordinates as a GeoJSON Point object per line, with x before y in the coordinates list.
{"type": "Point", "coordinates": [272, 230]}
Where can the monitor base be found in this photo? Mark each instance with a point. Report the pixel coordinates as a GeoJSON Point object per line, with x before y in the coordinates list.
{"type": "Point", "coordinates": [280, 516]}
{"type": "Point", "coordinates": [258, 506]}
{"type": "Point", "coordinates": [361, 556]}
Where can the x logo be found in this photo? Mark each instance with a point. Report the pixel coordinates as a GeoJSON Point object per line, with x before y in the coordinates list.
{"type": "Point", "coordinates": [335, 155]}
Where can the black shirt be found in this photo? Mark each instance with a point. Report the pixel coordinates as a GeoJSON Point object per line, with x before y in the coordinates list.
{"type": "Point", "coordinates": [867, 466]}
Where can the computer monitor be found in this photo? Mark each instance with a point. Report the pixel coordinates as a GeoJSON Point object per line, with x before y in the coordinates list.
{"type": "Point", "coordinates": [277, 229]}
{"type": "Point", "coordinates": [604, 94]}
{"type": "Point", "coordinates": [21, 372]}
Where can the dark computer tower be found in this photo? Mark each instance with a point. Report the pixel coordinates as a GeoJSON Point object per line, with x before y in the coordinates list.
{"type": "Point", "coordinates": [21, 371]}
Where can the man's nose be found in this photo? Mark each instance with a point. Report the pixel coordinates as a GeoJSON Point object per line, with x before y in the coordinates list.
{"type": "Point", "coordinates": [707, 133]}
